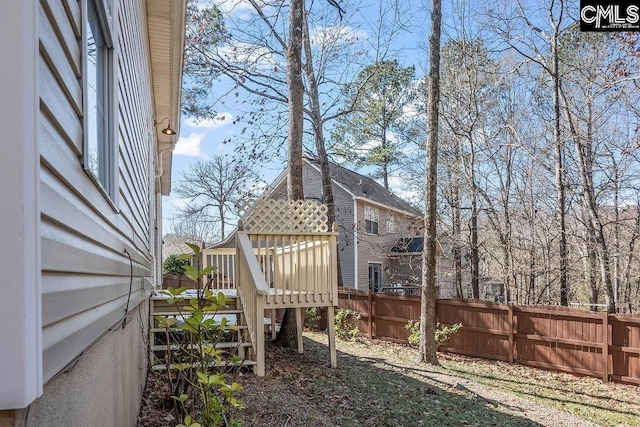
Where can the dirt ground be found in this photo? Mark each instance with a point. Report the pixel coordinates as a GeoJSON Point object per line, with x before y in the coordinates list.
{"type": "Point", "coordinates": [379, 384]}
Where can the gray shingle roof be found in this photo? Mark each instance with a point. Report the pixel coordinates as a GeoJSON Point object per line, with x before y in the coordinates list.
{"type": "Point", "coordinates": [355, 182]}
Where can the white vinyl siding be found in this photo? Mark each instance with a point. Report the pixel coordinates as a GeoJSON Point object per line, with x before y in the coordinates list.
{"type": "Point", "coordinates": [85, 272]}
{"type": "Point", "coordinates": [371, 219]}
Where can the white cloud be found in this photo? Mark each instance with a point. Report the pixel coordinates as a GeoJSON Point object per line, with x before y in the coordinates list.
{"type": "Point", "coordinates": [399, 187]}
{"type": "Point", "coordinates": [189, 146]}
{"type": "Point", "coordinates": [230, 6]}
{"type": "Point", "coordinates": [369, 145]}
{"type": "Point", "coordinates": [336, 34]}
{"type": "Point", "coordinates": [179, 203]}
{"type": "Point", "coordinates": [220, 120]}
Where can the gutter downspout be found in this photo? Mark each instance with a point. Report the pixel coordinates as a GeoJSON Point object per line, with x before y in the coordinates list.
{"type": "Point", "coordinates": [159, 169]}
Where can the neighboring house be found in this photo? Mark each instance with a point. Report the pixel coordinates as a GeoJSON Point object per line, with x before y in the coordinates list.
{"type": "Point", "coordinates": [83, 168]}
{"type": "Point", "coordinates": [370, 221]}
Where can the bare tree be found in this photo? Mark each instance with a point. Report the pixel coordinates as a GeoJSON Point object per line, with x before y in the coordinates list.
{"type": "Point", "coordinates": [212, 190]}
{"type": "Point", "coordinates": [521, 29]}
{"type": "Point", "coordinates": [427, 349]}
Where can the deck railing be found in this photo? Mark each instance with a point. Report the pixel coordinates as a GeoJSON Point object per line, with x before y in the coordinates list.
{"type": "Point", "coordinates": [251, 292]}
{"type": "Point", "coordinates": [300, 269]}
{"type": "Point", "coordinates": [224, 259]}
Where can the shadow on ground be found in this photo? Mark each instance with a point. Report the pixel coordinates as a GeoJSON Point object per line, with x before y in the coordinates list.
{"type": "Point", "coordinates": [302, 390]}
{"type": "Point", "coordinates": [553, 392]}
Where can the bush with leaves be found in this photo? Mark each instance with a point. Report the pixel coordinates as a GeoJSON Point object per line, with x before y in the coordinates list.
{"type": "Point", "coordinates": [443, 333]}
{"type": "Point", "coordinates": [311, 318]}
{"type": "Point", "coordinates": [174, 265]}
{"type": "Point", "coordinates": [346, 326]}
{"type": "Point", "coordinates": [202, 376]}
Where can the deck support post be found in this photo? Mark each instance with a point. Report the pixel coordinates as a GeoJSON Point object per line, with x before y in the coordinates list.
{"type": "Point", "coordinates": [259, 368]}
{"type": "Point", "coordinates": [299, 329]}
{"type": "Point", "coordinates": [332, 336]}
{"type": "Point", "coordinates": [274, 321]}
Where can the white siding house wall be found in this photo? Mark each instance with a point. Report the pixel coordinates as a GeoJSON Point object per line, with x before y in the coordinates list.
{"type": "Point", "coordinates": [85, 270]}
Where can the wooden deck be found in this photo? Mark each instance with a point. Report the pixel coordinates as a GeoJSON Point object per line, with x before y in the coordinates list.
{"type": "Point", "coordinates": [286, 258]}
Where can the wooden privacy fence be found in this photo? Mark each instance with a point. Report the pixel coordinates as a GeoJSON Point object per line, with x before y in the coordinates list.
{"type": "Point", "coordinates": [549, 337]}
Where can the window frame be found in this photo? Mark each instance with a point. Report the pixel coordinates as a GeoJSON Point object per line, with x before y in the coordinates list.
{"type": "Point", "coordinates": [370, 267]}
{"type": "Point", "coordinates": [97, 15]}
{"type": "Point", "coordinates": [371, 220]}
{"type": "Point", "coordinates": [392, 224]}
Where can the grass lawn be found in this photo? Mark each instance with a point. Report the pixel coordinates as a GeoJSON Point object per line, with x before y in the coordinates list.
{"type": "Point", "coordinates": [379, 384]}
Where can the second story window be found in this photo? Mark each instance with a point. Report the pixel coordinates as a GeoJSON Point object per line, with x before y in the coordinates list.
{"type": "Point", "coordinates": [371, 219]}
{"type": "Point", "coordinates": [392, 226]}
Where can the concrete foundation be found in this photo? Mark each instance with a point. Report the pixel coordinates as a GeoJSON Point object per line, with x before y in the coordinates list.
{"type": "Point", "coordinates": [103, 389]}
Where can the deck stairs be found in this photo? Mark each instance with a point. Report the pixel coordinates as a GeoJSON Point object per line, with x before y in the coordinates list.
{"type": "Point", "coordinates": [282, 256]}
{"type": "Point", "coordinates": [237, 338]}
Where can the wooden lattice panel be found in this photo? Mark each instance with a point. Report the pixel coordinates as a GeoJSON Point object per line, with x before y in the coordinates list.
{"type": "Point", "coordinates": [286, 216]}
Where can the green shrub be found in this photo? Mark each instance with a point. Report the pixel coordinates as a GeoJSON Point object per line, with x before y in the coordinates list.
{"type": "Point", "coordinates": [443, 333]}
{"type": "Point", "coordinates": [174, 265]}
{"type": "Point", "coordinates": [311, 318]}
{"type": "Point", "coordinates": [203, 380]}
{"type": "Point", "coordinates": [346, 326]}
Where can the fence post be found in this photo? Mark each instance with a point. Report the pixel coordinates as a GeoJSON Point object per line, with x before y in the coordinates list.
{"type": "Point", "coordinates": [605, 347]}
{"type": "Point", "coordinates": [370, 308]}
{"type": "Point", "coordinates": [511, 332]}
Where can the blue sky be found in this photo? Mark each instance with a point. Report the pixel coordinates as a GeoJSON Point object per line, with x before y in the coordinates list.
{"type": "Point", "coordinates": [408, 45]}
{"type": "Point", "coordinates": [198, 140]}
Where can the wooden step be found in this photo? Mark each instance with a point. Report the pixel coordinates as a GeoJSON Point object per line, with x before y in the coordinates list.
{"type": "Point", "coordinates": [222, 345]}
{"type": "Point", "coordinates": [163, 367]}
{"type": "Point", "coordinates": [186, 313]}
{"type": "Point", "coordinates": [227, 329]}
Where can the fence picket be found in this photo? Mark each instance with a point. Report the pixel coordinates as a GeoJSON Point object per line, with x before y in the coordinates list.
{"type": "Point", "coordinates": [599, 345]}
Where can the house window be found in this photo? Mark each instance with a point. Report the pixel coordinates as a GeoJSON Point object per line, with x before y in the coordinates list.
{"type": "Point", "coordinates": [99, 147]}
{"type": "Point", "coordinates": [371, 218]}
{"type": "Point", "coordinates": [392, 226]}
{"type": "Point", "coordinates": [375, 277]}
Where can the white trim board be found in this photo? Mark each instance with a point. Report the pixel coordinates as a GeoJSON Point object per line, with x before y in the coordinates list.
{"type": "Point", "coordinates": [21, 371]}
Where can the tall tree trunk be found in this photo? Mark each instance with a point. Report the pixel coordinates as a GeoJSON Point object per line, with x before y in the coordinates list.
{"type": "Point", "coordinates": [630, 257]}
{"type": "Point", "coordinates": [584, 159]}
{"type": "Point", "coordinates": [560, 188]}
{"type": "Point", "coordinates": [589, 263]}
{"type": "Point", "coordinates": [457, 252]}
{"type": "Point", "coordinates": [287, 336]}
{"type": "Point", "coordinates": [427, 349]}
{"type": "Point", "coordinates": [223, 222]}
{"type": "Point", "coordinates": [616, 235]}
{"type": "Point", "coordinates": [475, 261]}
{"type": "Point", "coordinates": [295, 89]}
{"type": "Point", "coordinates": [385, 160]}
{"type": "Point", "coordinates": [318, 133]}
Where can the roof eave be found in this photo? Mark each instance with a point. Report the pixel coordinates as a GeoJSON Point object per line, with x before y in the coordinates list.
{"type": "Point", "coordinates": [166, 25]}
